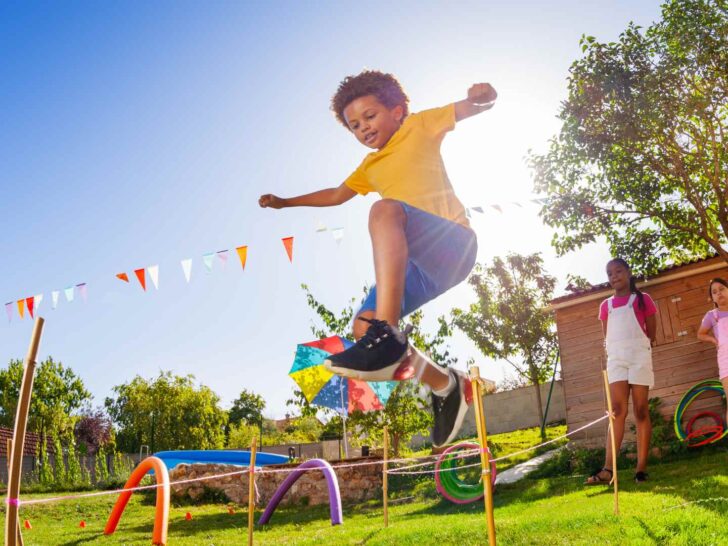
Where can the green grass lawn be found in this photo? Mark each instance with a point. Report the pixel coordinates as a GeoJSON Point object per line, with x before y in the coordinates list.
{"type": "Point", "coordinates": [534, 511]}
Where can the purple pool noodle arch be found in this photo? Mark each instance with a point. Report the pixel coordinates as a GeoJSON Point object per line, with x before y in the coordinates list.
{"type": "Point", "coordinates": [331, 481]}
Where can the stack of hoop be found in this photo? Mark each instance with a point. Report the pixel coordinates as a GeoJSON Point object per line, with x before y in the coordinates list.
{"type": "Point", "coordinates": [706, 434]}
{"type": "Point", "coordinates": [447, 481]}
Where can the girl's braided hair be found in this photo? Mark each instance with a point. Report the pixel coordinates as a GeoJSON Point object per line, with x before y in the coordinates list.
{"type": "Point", "coordinates": [632, 281]}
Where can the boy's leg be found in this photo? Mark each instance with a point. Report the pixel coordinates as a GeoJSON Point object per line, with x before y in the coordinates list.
{"type": "Point", "coordinates": [380, 346]}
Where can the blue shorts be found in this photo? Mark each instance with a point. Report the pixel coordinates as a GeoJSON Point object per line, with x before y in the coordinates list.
{"type": "Point", "coordinates": [441, 254]}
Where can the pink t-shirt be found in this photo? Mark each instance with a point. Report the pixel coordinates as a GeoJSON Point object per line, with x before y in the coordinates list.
{"type": "Point", "coordinates": [709, 319]}
{"type": "Point", "coordinates": [641, 314]}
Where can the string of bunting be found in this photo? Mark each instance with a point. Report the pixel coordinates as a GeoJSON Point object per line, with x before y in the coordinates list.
{"type": "Point", "coordinates": [29, 305]}
{"type": "Point", "coordinates": [150, 273]}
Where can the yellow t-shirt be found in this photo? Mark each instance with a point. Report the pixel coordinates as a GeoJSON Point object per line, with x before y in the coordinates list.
{"type": "Point", "coordinates": [410, 169]}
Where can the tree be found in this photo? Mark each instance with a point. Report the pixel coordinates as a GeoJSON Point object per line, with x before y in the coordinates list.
{"type": "Point", "coordinates": [247, 409]}
{"type": "Point", "coordinates": [168, 412]}
{"type": "Point", "coordinates": [93, 431]}
{"type": "Point", "coordinates": [509, 321]}
{"type": "Point", "coordinates": [57, 394]}
{"type": "Point", "coordinates": [641, 158]}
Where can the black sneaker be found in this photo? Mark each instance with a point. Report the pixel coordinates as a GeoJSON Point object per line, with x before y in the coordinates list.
{"type": "Point", "coordinates": [449, 412]}
{"type": "Point", "coordinates": [375, 357]}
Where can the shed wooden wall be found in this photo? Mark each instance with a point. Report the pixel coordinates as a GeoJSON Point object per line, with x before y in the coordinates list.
{"type": "Point", "coordinates": [679, 359]}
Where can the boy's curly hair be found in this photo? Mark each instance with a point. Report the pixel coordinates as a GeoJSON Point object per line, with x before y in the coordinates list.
{"type": "Point", "coordinates": [384, 87]}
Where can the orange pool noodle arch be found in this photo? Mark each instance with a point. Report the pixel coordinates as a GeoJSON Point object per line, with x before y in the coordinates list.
{"type": "Point", "coordinates": [161, 515]}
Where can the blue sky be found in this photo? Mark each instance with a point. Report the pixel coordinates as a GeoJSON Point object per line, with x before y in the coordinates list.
{"type": "Point", "coordinates": [142, 133]}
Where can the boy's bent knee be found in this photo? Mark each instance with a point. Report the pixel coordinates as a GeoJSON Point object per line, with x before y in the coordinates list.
{"type": "Point", "coordinates": [386, 209]}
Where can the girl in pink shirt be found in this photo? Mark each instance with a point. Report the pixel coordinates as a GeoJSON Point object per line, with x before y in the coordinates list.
{"type": "Point", "coordinates": [629, 326]}
{"type": "Point", "coordinates": [714, 328]}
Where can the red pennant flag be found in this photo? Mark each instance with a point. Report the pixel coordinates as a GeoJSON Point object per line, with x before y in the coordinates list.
{"type": "Point", "coordinates": [288, 243]}
{"type": "Point", "coordinates": [29, 303]}
{"type": "Point", "coordinates": [122, 276]}
{"type": "Point", "coordinates": [141, 275]}
{"type": "Point", "coordinates": [242, 254]}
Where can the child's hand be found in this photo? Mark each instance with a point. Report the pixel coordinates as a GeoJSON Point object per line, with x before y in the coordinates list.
{"type": "Point", "coordinates": [270, 201]}
{"type": "Point", "coordinates": [482, 93]}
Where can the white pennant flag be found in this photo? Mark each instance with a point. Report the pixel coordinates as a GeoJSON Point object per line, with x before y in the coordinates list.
{"type": "Point", "coordinates": [320, 226]}
{"type": "Point", "coordinates": [187, 268]}
{"type": "Point", "coordinates": [54, 298]}
{"type": "Point", "coordinates": [153, 271]}
{"type": "Point", "coordinates": [69, 293]}
{"type": "Point", "coordinates": [37, 299]}
{"type": "Point", "coordinates": [338, 234]}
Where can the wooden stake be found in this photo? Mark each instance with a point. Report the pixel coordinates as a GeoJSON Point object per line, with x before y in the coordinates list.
{"type": "Point", "coordinates": [614, 444]}
{"type": "Point", "coordinates": [484, 456]}
{"type": "Point", "coordinates": [385, 478]}
{"type": "Point", "coordinates": [251, 491]}
{"type": "Point", "coordinates": [9, 451]}
{"type": "Point", "coordinates": [12, 529]}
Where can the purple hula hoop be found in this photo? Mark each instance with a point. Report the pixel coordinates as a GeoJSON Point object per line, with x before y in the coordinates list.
{"type": "Point", "coordinates": [331, 481]}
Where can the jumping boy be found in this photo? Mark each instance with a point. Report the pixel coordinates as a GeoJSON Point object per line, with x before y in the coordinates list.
{"type": "Point", "coordinates": [421, 238]}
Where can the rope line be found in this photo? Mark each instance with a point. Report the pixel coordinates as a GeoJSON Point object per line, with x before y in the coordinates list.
{"type": "Point", "coordinates": [261, 470]}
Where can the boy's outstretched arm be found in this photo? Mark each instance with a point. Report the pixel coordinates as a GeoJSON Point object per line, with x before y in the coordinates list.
{"type": "Point", "coordinates": [481, 97]}
{"type": "Point", "coordinates": [322, 198]}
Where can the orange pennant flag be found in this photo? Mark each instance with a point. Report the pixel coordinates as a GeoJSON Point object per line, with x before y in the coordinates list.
{"type": "Point", "coordinates": [122, 276]}
{"type": "Point", "coordinates": [242, 254]}
{"type": "Point", "coordinates": [21, 308]}
{"type": "Point", "coordinates": [141, 275]}
{"type": "Point", "coordinates": [288, 243]}
{"type": "Point", "coordinates": [30, 303]}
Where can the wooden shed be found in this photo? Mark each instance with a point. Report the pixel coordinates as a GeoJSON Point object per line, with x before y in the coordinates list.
{"type": "Point", "coordinates": [679, 359]}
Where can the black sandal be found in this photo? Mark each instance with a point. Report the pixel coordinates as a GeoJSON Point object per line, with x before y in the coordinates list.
{"type": "Point", "coordinates": [596, 479]}
{"type": "Point", "coordinates": [640, 477]}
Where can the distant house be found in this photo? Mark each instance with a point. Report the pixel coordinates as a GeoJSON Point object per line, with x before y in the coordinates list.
{"type": "Point", "coordinates": [30, 448]}
{"type": "Point", "coordinates": [679, 359]}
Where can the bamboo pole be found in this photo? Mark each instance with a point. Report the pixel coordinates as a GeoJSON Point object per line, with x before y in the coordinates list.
{"type": "Point", "coordinates": [12, 529]}
{"type": "Point", "coordinates": [614, 444]}
{"type": "Point", "coordinates": [251, 491]}
{"type": "Point", "coordinates": [484, 456]}
{"type": "Point", "coordinates": [385, 477]}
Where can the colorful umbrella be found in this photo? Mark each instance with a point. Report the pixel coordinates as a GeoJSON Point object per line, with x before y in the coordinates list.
{"type": "Point", "coordinates": [323, 388]}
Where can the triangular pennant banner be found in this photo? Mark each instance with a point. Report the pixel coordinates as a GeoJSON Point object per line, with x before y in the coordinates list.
{"type": "Point", "coordinates": [320, 226]}
{"type": "Point", "coordinates": [54, 298]}
{"type": "Point", "coordinates": [242, 254]}
{"type": "Point", "coordinates": [338, 234]}
{"type": "Point", "coordinates": [153, 271]}
{"type": "Point", "coordinates": [498, 208]}
{"type": "Point", "coordinates": [38, 299]}
{"type": "Point", "coordinates": [141, 277]}
{"type": "Point", "coordinates": [223, 255]}
{"type": "Point", "coordinates": [122, 276]}
{"type": "Point", "coordinates": [21, 308]}
{"type": "Point", "coordinates": [207, 260]}
{"type": "Point", "coordinates": [517, 204]}
{"type": "Point", "coordinates": [29, 304]}
{"type": "Point", "coordinates": [288, 244]}
{"type": "Point", "coordinates": [478, 209]}
{"type": "Point", "coordinates": [9, 311]}
{"type": "Point", "coordinates": [187, 268]}
{"type": "Point", "coordinates": [467, 213]}
{"type": "Point", "coordinates": [69, 293]}
{"type": "Point", "coordinates": [82, 290]}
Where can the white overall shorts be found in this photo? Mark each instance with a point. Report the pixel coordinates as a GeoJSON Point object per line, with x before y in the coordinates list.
{"type": "Point", "coordinates": [720, 331]}
{"type": "Point", "coordinates": [629, 353]}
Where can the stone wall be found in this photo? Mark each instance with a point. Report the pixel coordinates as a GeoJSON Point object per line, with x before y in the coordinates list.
{"type": "Point", "coordinates": [356, 484]}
